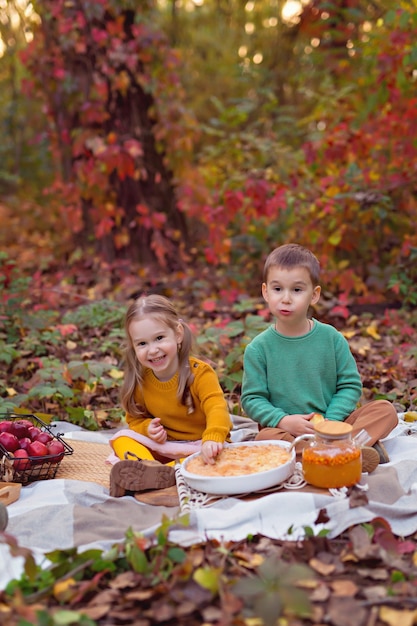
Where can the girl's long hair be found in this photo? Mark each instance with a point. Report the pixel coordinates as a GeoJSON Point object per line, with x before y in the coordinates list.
{"type": "Point", "coordinates": [160, 308]}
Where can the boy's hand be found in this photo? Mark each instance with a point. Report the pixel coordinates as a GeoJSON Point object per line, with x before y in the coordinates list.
{"type": "Point", "coordinates": [156, 431]}
{"type": "Point", "coordinates": [297, 424]}
{"type": "Point", "coordinates": [209, 451]}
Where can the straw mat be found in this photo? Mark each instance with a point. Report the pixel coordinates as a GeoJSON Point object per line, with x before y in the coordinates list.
{"type": "Point", "coordinates": [88, 462]}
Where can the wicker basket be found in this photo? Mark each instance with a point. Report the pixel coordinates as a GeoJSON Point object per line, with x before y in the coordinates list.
{"type": "Point", "coordinates": [35, 467]}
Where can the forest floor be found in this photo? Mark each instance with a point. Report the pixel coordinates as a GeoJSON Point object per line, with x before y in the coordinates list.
{"type": "Point", "coordinates": [365, 577]}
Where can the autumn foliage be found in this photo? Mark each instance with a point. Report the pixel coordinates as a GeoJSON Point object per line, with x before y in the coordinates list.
{"type": "Point", "coordinates": [137, 177]}
{"type": "Point", "coordinates": [118, 127]}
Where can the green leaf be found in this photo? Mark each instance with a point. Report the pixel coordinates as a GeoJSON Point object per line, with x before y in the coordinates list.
{"type": "Point", "coordinates": [137, 559]}
{"type": "Point", "coordinates": [177, 555]}
{"type": "Point", "coordinates": [208, 577]}
{"type": "Point", "coordinates": [65, 618]}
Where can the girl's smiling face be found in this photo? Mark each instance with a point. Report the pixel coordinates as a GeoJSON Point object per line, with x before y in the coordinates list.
{"type": "Point", "coordinates": [156, 345]}
{"type": "Point", "coordinates": [289, 293]}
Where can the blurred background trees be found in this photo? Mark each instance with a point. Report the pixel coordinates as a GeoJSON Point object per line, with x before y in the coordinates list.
{"type": "Point", "coordinates": [193, 133]}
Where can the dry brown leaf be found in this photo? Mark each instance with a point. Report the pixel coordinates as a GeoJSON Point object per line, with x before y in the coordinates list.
{"type": "Point", "coordinates": [320, 594]}
{"type": "Point", "coordinates": [321, 568]}
{"type": "Point", "coordinates": [346, 612]}
{"type": "Point", "coordinates": [344, 588]}
{"type": "Point", "coordinates": [377, 592]}
{"type": "Point", "coordinates": [248, 560]}
{"type": "Point", "coordinates": [375, 573]}
{"type": "Point", "coordinates": [96, 612]}
{"type": "Point", "coordinates": [394, 617]}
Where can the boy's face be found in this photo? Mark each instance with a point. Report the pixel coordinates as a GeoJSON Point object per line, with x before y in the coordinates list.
{"type": "Point", "coordinates": [289, 293]}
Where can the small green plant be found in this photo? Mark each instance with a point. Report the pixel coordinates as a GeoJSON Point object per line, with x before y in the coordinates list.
{"type": "Point", "coordinates": [154, 557]}
{"type": "Point", "coordinates": [309, 532]}
{"type": "Point", "coordinates": [100, 314]}
{"type": "Point", "coordinates": [226, 343]}
{"type": "Point", "coordinates": [156, 560]}
{"type": "Point", "coordinates": [8, 352]}
{"type": "Point", "coordinates": [274, 591]}
{"type": "Point", "coordinates": [13, 295]}
{"type": "Point", "coordinates": [403, 280]}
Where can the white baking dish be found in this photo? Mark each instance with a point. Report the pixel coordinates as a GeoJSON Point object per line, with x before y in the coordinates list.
{"type": "Point", "coordinates": [246, 483]}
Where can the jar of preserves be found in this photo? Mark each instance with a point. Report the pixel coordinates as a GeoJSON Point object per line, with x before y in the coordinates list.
{"type": "Point", "coordinates": [332, 459]}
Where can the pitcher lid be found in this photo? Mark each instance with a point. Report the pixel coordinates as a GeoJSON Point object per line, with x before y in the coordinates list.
{"type": "Point", "coordinates": [333, 429]}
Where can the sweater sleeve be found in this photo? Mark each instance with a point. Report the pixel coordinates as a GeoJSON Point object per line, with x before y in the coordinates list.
{"type": "Point", "coordinates": [348, 385]}
{"type": "Point", "coordinates": [213, 404]}
{"type": "Point", "coordinates": [255, 394]}
{"type": "Point", "coordinates": [138, 424]}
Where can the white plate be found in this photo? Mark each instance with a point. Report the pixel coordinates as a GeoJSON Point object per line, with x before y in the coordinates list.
{"type": "Point", "coordinates": [247, 483]}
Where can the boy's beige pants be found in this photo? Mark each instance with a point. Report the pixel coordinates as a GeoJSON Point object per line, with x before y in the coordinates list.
{"type": "Point", "coordinates": [378, 418]}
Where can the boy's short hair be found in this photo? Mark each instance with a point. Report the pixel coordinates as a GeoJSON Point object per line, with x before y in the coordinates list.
{"type": "Point", "coordinates": [292, 255]}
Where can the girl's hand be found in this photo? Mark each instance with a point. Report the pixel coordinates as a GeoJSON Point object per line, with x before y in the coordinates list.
{"type": "Point", "coordinates": [209, 451]}
{"type": "Point", "coordinates": [156, 431]}
{"type": "Point", "coordinates": [297, 424]}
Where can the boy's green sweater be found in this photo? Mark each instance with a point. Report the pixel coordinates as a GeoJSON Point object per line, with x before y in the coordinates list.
{"type": "Point", "coordinates": [287, 375]}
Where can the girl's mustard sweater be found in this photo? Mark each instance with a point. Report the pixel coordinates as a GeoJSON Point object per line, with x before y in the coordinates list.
{"type": "Point", "coordinates": [210, 421]}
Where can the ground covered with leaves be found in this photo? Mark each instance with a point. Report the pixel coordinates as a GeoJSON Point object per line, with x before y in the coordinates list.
{"type": "Point", "coordinates": [61, 336]}
{"type": "Point", "coordinates": [61, 341]}
{"type": "Point", "coordinates": [366, 577]}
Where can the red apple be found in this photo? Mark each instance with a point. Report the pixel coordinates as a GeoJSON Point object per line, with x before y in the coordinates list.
{"type": "Point", "coordinates": [27, 423]}
{"type": "Point", "coordinates": [5, 426]}
{"type": "Point", "coordinates": [34, 432]}
{"type": "Point", "coordinates": [23, 463]}
{"type": "Point", "coordinates": [56, 448]}
{"type": "Point", "coordinates": [9, 441]}
{"type": "Point", "coordinates": [24, 443]}
{"type": "Point", "coordinates": [44, 437]}
{"type": "Point", "coordinates": [37, 448]}
{"type": "Point", "coordinates": [19, 429]}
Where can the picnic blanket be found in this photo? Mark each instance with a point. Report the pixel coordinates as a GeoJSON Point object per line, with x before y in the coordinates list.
{"type": "Point", "coordinates": [78, 512]}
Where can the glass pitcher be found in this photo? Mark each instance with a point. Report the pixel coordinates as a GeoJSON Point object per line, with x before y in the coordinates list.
{"type": "Point", "coordinates": [332, 459]}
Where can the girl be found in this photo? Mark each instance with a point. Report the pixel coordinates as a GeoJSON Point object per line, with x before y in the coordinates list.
{"type": "Point", "coordinates": [173, 401]}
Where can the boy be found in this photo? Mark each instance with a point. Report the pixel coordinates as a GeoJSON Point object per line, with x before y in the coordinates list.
{"type": "Point", "coordinates": [299, 366]}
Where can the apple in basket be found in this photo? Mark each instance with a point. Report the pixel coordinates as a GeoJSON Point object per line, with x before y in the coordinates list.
{"type": "Point", "coordinates": [20, 428]}
{"type": "Point", "coordinates": [34, 431]}
{"type": "Point", "coordinates": [44, 437]}
{"type": "Point", "coordinates": [24, 443]}
{"type": "Point", "coordinates": [23, 462]}
{"type": "Point", "coordinates": [5, 426]}
{"type": "Point", "coordinates": [55, 448]}
{"type": "Point", "coordinates": [9, 441]}
{"type": "Point", "coordinates": [37, 448]}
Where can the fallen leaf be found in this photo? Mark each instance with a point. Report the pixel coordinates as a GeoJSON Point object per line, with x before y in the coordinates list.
{"type": "Point", "coordinates": [410, 416]}
{"type": "Point", "coordinates": [375, 573]}
{"type": "Point", "coordinates": [116, 374]}
{"type": "Point", "coordinates": [320, 594]}
{"type": "Point", "coordinates": [392, 617]}
{"type": "Point", "coordinates": [360, 345]}
{"type": "Point", "coordinates": [358, 497]}
{"type": "Point", "coordinates": [207, 577]}
{"type": "Point", "coordinates": [344, 588]}
{"type": "Point", "coordinates": [66, 329]}
{"type": "Point", "coordinates": [345, 612]}
{"type": "Point", "coordinates": [378, 592]}
{"type": "Point", "coordinates": [321, 568]}
{"type": "Point", "coordinates": [64, 590]}
{"type": "Point", "coordinates": [248, 560]}
{"type": "Point", "coordinates": [372, 331]}
{"type": "Point", "coordinates": [348, 334]}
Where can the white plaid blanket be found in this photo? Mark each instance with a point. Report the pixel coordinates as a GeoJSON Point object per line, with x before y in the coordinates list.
{"type": "Point", "coordinates": [58, 513]}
